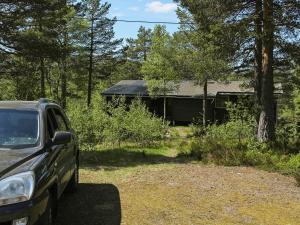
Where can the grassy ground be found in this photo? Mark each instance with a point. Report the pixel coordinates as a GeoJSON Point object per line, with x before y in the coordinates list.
{"type": "Point", "coordinates": [127, 186]}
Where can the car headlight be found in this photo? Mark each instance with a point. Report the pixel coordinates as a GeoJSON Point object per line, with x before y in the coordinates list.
{"type": "Point", "coordinates": [17, 188]}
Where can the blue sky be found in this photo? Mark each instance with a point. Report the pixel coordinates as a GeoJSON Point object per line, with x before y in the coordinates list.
{"type": "Point", "coordinates": [151, 10]}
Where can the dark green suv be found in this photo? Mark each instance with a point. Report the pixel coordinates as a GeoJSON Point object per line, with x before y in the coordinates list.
{"type": "Point", "coordinates": [39, 159]}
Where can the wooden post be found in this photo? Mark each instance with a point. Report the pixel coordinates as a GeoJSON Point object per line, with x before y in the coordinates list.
{"type": "Point", "coordinates": [205, 102]}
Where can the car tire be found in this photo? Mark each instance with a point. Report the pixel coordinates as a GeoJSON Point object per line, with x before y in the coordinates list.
{"type": "Point", "coordinates": [73, 183]}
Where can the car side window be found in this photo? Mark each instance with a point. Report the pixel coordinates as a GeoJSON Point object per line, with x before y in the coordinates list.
{"type": "Point", "coordinates": [61, 123]}
{"type": "Point", "coordinates": [50, 123]}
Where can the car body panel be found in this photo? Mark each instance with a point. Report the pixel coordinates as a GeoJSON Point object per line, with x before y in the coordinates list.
{"type": "Point", "coordinates": [53, 165]}
{"type": "Point", "coordinates": [35, 208]}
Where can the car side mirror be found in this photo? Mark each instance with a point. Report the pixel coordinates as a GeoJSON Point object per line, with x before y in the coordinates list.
{"type": "Point", "coordinates": [61, 137]}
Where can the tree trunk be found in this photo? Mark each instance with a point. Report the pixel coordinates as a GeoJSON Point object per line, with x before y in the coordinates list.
{"type": "Point", "coordinates": [90, 81]}
{"type": "Point", "coordinates": [64, 69]}
{"type": "Point", "coordinates": [64, 83]}
{"type": "Point", "coordinates": [258, 49]}
{"type": "Point", "coordinates": [205, 103]}
{"type": "Point", "coordinates": [165, 108]}
{"type": "Point", "coordinates": [145, 51]}
{"type": "Point", "coordinates": [42, 78]}
{"type": "Point", "coordinates": [42, 68]}
{"type": "Point", "coordinates": [165, 99]}
{"type": "Point", "coordinates": [266, 128]}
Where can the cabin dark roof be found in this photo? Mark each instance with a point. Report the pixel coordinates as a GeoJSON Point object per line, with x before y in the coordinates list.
{"type": "Point", "coordinates": [185, 89]}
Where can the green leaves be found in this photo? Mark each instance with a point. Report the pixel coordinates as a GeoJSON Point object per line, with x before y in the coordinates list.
{"type": "Point", "coordinates": [288, 132]}
{"type": "Point", "coordinates": [133, 123]}
{"type": "Point", "coordinates": [158, 69]}
{"type": "Point", "coordinates": [114, 123]}
{"type": "Point", "coordinates": [139, 48]}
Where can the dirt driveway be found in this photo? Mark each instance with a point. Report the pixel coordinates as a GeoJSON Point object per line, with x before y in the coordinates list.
{"type": "Point", "coordinates": [180, 193]}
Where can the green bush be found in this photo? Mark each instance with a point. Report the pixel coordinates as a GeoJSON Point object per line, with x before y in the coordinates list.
{"type": "Point", "coordinates": [266, 159]}
{"type": "Point", "coordinates": [289, 164]}
{"type": "Point", "coordinates": [89, 123]}
{"type": "Point", "coordinates": [197, 128]}
{"type": "Point", "coordinates": [184, 148]}
{"type": "Point", "coordinates": [133, 123]}
{"type": "Point", "coordinates": [115, 131]}
{"type": "Point", "coordinates": [297, 177]}
{"type": "Point", "coordinates": [234, 143]}
{"type": "Point", "coordinates": [227, 143]}
{"type": "Point", "coordinates": [114, 123]}
{"type": "Point", "coordinates": [143, 127]}
{"type": "Point", "coordinates": [288, 129]}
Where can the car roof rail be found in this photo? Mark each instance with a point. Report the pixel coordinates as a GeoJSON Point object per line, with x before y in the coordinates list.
{"type": "Point", "coordinates": [45, 100]}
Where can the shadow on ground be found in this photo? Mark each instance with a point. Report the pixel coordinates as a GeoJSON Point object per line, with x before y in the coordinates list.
{"type": "Point", "coordinates": [92, 204]}
{"type": "Point", "coordinates": [115, 159]}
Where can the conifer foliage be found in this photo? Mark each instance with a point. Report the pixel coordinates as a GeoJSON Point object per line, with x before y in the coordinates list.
{"type": "Point", "coordinates": [267, 42]}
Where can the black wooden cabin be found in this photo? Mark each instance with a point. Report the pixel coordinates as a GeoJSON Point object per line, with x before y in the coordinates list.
{"type": "Point", "coordinates": [185, 103]}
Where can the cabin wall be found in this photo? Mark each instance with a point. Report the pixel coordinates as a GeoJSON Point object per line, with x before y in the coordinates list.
{"type": "Point", "coordinates": [184, 111]}
{"type": "Point", "coordinates": [181, 110]}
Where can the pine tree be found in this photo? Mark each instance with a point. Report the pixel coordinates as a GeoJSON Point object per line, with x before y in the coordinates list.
{"type": "Point", "coordinates": [67, 38]}
{"type": "Point", "coordinates": [158, 69]}
{"type": "Point", "coordinates": [98, 41]}
{"type": "Point", "coordinates": [138, 49]}
{"type": "Point", "coordinates": [133, 55]}
{"type": "Point", "coordinates": [266, 33]}
{"type": "Point", "coordinates": [31, 30]}
{"type": "Point", "coordinates": [198, 52]}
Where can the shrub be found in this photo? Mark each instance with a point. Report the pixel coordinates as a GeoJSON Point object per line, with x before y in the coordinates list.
{"type": "Point", "coordinates": [89, 123]}
{"type": "Point", "coordinates": [184, 148]}
{"type": "Point", "coordinates": [234, 143]}
{"type": "Point", "coordinates": [115, 131]}
{"type": "Point", "coordinates": [197, 128]}
{"type": "Point", "coordinates": [266, 159]}
{"type": "Point", "coordinates": [289, 164]}
{"type": "Point", "coordinates": [227, 143]}
{"type": "Point", "coordinates": [142, 127]}
{"type": "Point", "coordinates": [288, 130]}
{"type": "Point", "coordinates": [114, 122]}
{"type": "Point", "coordinates": [297, 177]}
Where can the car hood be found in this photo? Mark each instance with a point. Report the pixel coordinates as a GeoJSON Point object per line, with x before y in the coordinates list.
{"type": "Point", "coordinates": [12, 159]}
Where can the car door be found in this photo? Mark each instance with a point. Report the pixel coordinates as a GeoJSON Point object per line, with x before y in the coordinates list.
{"type": "Point", "coordinates": [59, 152]}
{"type": "Point", "coordinates": [69, 148]}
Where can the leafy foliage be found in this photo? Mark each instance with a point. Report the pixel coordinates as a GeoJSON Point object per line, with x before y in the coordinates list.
{"type": "Point", "coordinates": [89, 123]}
{"type": "Point", "coordinates": [226, 143]}
{"type": "Point", "coordinates": [47, 48]}
{"type": "Point", "coordinates": [135, 124]}
{"type": "Point", "coordinates": [158, 69]}
{"type": "Point", "coordinates": [142, 126]}
{"type": "Point", "coordinates": [114, 123]}
{"type": "Point", "coordinates": [234, 144]}
{"type": "Point", "coordinates": [288, 132]}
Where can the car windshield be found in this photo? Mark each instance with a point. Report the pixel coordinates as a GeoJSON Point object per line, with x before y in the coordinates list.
{"type": "Point", "coordinates": [18, 128]}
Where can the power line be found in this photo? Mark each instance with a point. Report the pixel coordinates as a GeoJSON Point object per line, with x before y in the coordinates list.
{"type": "Point", "coordinates": [151, 22]}
{"type": "Point", "coordinates": [146, 21]}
